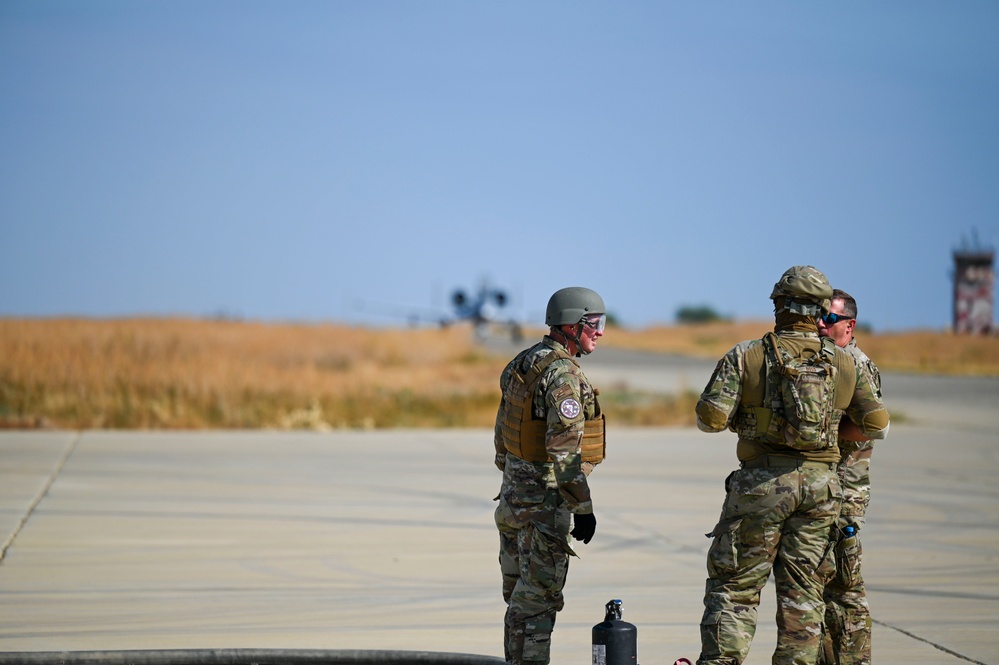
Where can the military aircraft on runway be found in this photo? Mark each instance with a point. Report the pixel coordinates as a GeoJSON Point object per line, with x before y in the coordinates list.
{"type": "Point", "coordinates": [483, 308]}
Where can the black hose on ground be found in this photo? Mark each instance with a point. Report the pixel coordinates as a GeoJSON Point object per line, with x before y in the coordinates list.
{"type": "Point", "coordinates": [244, 657]}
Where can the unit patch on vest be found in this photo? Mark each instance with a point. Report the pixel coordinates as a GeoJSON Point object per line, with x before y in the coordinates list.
{"type": "Point", "coordinates": [570, 408]}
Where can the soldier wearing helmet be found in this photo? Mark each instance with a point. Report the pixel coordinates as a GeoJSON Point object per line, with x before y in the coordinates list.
{"type": "Point", "coordinates": [784, 395]}
{"type": "Point", "coordinates": [549, 435]}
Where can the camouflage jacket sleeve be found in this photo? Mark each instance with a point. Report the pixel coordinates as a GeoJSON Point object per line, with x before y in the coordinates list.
{"type": "Point", "coordinates": [564, 407]}
{"type": "Point", "coordinates": [852, 440]}
{"type": "Point", "coordinates": [720, 398]}
{"type": "Point", "coordinates": [866, 409]}
{"type": "Point", "coordinates": [866, 365]}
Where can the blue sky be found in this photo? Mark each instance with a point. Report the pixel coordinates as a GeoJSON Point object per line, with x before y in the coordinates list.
{"type": "Point", "coordinates": [281, 160]}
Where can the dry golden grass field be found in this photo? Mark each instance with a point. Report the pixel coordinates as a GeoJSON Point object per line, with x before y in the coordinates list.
{"type": "Point", "coordinates": [196, 374]}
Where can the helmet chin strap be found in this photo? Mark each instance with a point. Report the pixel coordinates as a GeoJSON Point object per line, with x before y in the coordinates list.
{"type": "Point", "coordinates": [580, 351]}
{"type": "Point", "coordinates": [576, 339]}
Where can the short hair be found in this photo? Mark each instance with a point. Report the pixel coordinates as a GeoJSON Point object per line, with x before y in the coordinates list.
{"type": "Point", "coordinates": [849, 304]}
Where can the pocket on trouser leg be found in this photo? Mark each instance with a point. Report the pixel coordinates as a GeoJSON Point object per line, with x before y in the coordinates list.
{"type": "Point", "coordinates": [848, 556]}
{"type": "Point", "coordinates": [826, 570]}
{"type": "Point", "coordinates": [827, 656]}
{"type": "Point", "coordinates": [832, 633]}
{"type": "Point", "coordinates": [538, 639]}
{"type": "Point", "coordinates": [513, 642]}
{"type": "Point", "coordinates": [723, 554]}
{"type": "Point", "coordinates": [854, 647]}
{"type": "Point", "coordinates": [537, 648]}
{"type": "Point", "coordinates": [720, 642]}
{"type": "Point", "coordinates": [549, 566]}
{"type": "Point", "coordinates": [711, 635]}
{"type": "Point", "coordinates": [509, 562]}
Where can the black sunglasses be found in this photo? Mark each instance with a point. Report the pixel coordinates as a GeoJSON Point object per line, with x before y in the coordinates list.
{"type": "Point", "coordinates": [832, 319]}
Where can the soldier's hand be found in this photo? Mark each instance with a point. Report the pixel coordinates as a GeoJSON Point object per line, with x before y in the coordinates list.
{"type": "Point", "coordinates": [584, 527]}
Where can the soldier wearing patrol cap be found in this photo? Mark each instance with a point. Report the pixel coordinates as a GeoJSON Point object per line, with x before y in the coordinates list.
{"type": "Point", "coordinates": [784, 395]}
{"type": "Point", "coordinates": [549, 434]}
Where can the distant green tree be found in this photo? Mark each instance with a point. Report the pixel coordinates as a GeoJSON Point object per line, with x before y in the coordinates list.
{"type": "Point", "coordinates": [688, 314]}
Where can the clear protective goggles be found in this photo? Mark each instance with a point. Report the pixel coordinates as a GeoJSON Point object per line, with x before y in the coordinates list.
{"type": "Point", "coordinates": [595, 322]}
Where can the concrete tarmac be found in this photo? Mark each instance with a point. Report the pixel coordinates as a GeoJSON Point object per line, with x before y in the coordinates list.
{"type": "Point", "coordinates": [385, 540]}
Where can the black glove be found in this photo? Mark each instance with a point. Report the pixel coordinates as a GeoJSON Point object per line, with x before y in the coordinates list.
{"type": "Point", "coordinates": [584, 527]}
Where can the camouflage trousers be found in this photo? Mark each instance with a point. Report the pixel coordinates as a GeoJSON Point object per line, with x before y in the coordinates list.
{"type": "Point", "coordinates": [779, 519]}
{"type": "Point", "coordinates": [534, 560]}
{"type": "Point", "coordinates": [846, 639]}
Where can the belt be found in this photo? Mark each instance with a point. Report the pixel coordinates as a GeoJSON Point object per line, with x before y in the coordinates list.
{"type": "Point", "coordinates": [778, 461]}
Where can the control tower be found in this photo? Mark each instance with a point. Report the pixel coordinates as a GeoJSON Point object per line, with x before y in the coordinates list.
{"type": "Point", "coordinates": [974, 280]}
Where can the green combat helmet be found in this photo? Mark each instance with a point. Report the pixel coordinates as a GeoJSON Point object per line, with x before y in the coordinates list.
{"type": "Point", "coordinates": [568, 306]}
{"type": "Point", "coordinates": [804, 290]}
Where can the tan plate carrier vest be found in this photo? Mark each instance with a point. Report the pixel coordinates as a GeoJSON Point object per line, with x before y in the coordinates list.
{"type": "Point", "coordinates": [769, 423]}
{"type": "Point", "coordinates": [524, 436]}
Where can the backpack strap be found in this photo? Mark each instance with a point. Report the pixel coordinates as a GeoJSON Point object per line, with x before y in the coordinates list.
{"type": "Point", "coordinates": [765, 422]}
{"type": "Point", "coordinates": [775, 369]}
{"type": "Point", "coordinates": [828, 349]}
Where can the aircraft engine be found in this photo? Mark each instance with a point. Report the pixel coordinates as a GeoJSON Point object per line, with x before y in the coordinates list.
{"type": "Point", "coordinates": [500, 298]}
{"type": "Point", "coordinates": [458, 298]}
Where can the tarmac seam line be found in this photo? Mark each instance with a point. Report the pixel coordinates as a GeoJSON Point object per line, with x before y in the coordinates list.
{"type": "Point", "coordinates": [56, 470]}
{"type": "Point", "coordinates": [932, 644]}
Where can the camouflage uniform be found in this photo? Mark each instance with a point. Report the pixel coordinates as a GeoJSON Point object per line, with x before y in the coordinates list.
{"type": "Point", "coordinates": [780, 508]}
{"type": "Point", "coordinates": [847, 638]}
{"type": "Point", "coordinates": [536, 500]}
